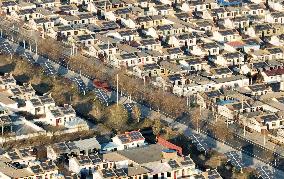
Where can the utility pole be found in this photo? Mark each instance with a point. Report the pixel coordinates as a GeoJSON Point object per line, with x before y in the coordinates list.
{"type": "Point", "coordinates": [244, 127]}
{"type": "Point", "coordinates": [197, 122]}
{"type": "Point", "coordinates": [264, 139]}
{"type": "Point", "coordinates": [36, 47]}
{"type": "Point", "coordinates": [108, 51]}
{"type": "Point", "coordinates": [117, 89]}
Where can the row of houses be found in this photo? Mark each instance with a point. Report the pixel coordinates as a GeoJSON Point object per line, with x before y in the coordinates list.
{"type": "Point", "coordinates": [17, 98]}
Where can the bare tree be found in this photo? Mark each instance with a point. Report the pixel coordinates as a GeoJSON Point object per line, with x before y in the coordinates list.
{"type": "Point", "coordinates": [136, 113]}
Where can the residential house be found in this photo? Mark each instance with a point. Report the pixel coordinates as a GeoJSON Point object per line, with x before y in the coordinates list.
{"type": "Point", "coordinates": [173, 53]}
{"type": "Point", "coordinates": [9, 7]}
{"type": "Point", "coordinates": [150, 44]}
{"type": "Point", "coordinates": [275, 17]}
{"type": "Point", "coordinates": [127, 60]}
{"type": "Point", "coordinates": [263, 121]}
{"type": "Point", "coordinates": [125, 141]}
{"type": "Point", "coordinates": [273, 75]}
{"type": "Point", "coordinates": [148, 70]}
{"type": "Point", "coordinates": [7, 81]}
{"type": "Point", "coordinates": [41, 23]}
{"type": "Point", "coordinates": [64, 116]}
{"type": "Point", "coordinates": [257, 90]}
{"type": "Point", "coordinates": [186, 39]}
{"type": "Point", "coordinates": [211, 48]}
{"type": "Point", "coordinates": [226, 35]}
{"type": "Point", "coordinates": [195, 85]}
{"type": "Point", "coordinates": [233, 107]}
{"type": "Point", "coordinates": [256, 10]}
{"type": "Point", "coordinates": [222, 72]}
{"type": "Point", "coordinates": [68, 9]}
{"type": "Point", "coordinates": [85, 40]}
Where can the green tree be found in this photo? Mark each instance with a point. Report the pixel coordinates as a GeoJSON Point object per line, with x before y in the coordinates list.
{"type": "Point", "coordinates": [116, 117]}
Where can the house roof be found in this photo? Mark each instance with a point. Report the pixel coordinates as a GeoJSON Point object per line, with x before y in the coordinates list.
{"type": "Point", "coordinates": [140, 155]}
{"type": "Point", "coordinates": [236, 44]}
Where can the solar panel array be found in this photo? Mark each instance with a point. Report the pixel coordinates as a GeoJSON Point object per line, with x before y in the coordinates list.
{"type": "Point", "coordinates": [46, 99]}
{"type": "Point", "coordinates": [102, 96]}
{"type": "Point", "coordinates": [128, 107]}
{"type": "Point", "coordinates": [81, 85]}
{"type": "Point", "coordinates": [5, 47]}
{"type": "Point", "coordinates": [108, 173]}
{"type": "Point", "coordinates": [124, 138]}
{"type": "Point", "coordinates": [27, 88]}
{"type": "Point", "coordinates": [5, 120]}
{"type": "Point", "coordinates": [56, 113]}
{"type": "Point", "coordinates": [36, 169]}
{"type": "Point", "coordinates": [29, 57]}
{"type": "Point", "coordinates": [213, 174]}
{"type": "Point", "coordinates": [13, 155]}
{"type": "Point", "coordinates": [16, 91]}
{"type": "Point", "coordinates": [48, 165]}
{"type": "Point", "coordinates": [83, 159]}
{"type": "Point", "coordinates": [200, 143]}
{"type": "Point", "coordinates": [173, 164]}
{"type": "Point", "coordinates": [72, 146]}
{"type": "Point", "coordinates": [269, 118]}
{"type": "Point", "coordinates": [187, 161]}
{"type": "Point", "coordinates": [62, 147]}
{"type": "Point", "coordinates": [222, 70]}
{"type": "Point", "coordinates": [8, 79]}
{"type": "Point", "coordinates": [25, 152]}
{"type": "Point", "coordinates": [36, 102]}
{"type": "Point", "coordinates": [259, 87]}
{"type": "Point", "coordinates": [67, 110]}
{"type": "Point", "coordinates": [235, 159]}
{"type": "Point", "coordinates": [49, 69]}
{"type": "Point", "coordinates": [120, 172]}
{"type": "Point", "coordinates": [95, 158]}
{"type": "Point", "coordinates": [264, 172]}
{"type": "Point", "coordinates": [135, 135]}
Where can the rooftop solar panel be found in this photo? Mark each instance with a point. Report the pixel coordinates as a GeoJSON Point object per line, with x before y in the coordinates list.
{"type": "Point", "coordinates": [48, 165]}
{"type": "Point", "coordinates": [120, 172]}
{"type": "Point", "coordinates": [82, 159]}
{"type": "Point", "coordinates": [13, 155]}
{"type": "Point", "coordinates": [108, 173]}
{"type": "Point", "coordinates": [25, 152]}
{"type": "Point", "coordinates": [95, 158]}
{"type": "Point", "coordinates": [173, 164]}
{"type": "Point", "coordinates": [36, 169]}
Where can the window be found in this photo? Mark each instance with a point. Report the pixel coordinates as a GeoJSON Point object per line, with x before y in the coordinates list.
{"type": "Point", "coordinates": [169, 174]}
{"type": "Point", "coordinates": [273, 124]}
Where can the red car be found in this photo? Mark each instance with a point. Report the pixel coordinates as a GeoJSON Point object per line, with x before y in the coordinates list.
{"type": "Point", "coordinates": [101, 85]}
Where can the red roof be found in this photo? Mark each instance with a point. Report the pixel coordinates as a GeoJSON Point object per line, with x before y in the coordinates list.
{"type": "Point", "coordinates": [274, 72]}
{"type": "Point", "coordinates": [169, 145]}
{"type": "Point", "coordinates": [236, 44]}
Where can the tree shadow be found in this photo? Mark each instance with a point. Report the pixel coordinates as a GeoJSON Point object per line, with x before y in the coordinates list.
{"type": "Point", "coordinates": [42, 88]}
{"type": "Point", "coordinates": [247, 149]}
{"type": "Point", "coordinates": [62, 70]}
{"type": "Point", "coordinates": [7, 68]}
{"type": "Point", "coordinates": [22, 78]}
